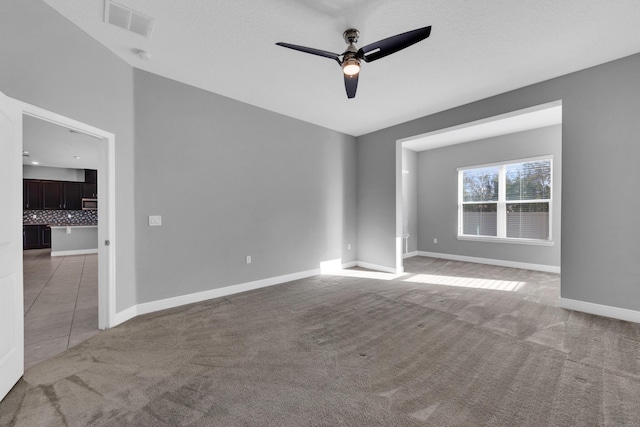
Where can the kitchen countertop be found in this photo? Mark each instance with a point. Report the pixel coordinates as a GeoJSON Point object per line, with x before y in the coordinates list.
{"type": "Point", "coordinates": [60, 225]}
{"type": "Point", "coordinates": [73, 226]}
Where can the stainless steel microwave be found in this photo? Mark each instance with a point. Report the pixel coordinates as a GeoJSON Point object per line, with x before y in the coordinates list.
{"type": "Point", "coordinates": [89, 204]}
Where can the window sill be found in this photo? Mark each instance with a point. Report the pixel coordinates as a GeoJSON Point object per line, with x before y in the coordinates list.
{"type": "Point", "coordinates": [532, 242]}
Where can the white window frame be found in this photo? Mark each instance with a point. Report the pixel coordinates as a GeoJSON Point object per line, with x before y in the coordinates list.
{"type": "Point", "coordinates": [502, 205]}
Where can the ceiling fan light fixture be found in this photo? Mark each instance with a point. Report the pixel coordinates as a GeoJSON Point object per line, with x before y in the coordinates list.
{"type": "Point", "coordinates": [351, 66]}
{"type": "Point", "coordinates": [351, 57]}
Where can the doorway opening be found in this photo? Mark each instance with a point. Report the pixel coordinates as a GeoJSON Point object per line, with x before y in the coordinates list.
{"type": "Point", "coordinates": [60, 238]}
{"type": "Point", "coordinates": [429, 193]}
{"type": "Point", "coordinates": [104, 260]}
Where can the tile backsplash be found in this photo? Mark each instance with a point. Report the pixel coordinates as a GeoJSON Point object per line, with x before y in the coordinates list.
{"type": "Point", "coordinates": [60, 217]}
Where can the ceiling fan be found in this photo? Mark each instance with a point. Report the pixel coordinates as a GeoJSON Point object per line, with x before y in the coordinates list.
{"type": "Point", "coordinates": [350, 59]}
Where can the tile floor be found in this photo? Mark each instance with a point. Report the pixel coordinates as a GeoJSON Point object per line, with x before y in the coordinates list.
{"type": "Point", "coordinates": [60, 303]}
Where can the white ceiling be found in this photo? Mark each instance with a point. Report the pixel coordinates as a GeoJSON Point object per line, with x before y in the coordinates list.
{"type": "Point", "coordinates": [55, 146]}
{"type": "Point", "coordinates": [477, 49]}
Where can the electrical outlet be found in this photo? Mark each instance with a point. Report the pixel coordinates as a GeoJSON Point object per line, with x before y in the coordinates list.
{"type": "Point", "coordinates": [155, 220]}
{"type": "Point", "coordinates": [348, 246]}
{"type": "Point", "coordinates": [435, 240]}
{"type": "Point", "coordinates": [248, 259]}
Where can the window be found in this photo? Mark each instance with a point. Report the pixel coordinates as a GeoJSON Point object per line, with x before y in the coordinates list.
{"type": "Point", "coordinates": [507, 201]}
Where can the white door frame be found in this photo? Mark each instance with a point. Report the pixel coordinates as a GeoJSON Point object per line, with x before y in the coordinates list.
{"type": "Point", "coordinates": [106, 207]}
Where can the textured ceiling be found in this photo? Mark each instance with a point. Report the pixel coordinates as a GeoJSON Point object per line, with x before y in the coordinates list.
{"type": "Point", "coordinates": [477, 49]}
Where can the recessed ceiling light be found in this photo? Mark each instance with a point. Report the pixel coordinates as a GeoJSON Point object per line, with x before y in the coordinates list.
{"type": "Point", "coordinates": [35, 163]}
{"type": "Point", "coordinates": [76, 157]}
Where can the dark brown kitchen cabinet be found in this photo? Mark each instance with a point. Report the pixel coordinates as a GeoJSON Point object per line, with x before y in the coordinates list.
{"type": "Point", "coordinates": [91, 176]}
{"type": "Point", "coordinates": [68, 195]}
{"type": "Point", "coordinates": [36, 236]}
{"type": "Point", "coordinates": [32, 194]}
{"type": "Point", "coordinates": [51, 195]}
{"type": "Point", "coordinates": [89, 191]}
{"type": "Point", "coordinates": [31, 237]}
{"type": "Point", "coordinates": [45, 236]}
{"type": "Point", "coordinates": [72, 195]}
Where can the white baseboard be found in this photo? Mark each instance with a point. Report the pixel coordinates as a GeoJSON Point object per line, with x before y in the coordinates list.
{"type": "Point", "coordinates": [600, 310]}
{"type": "Point", "coordinates": [125, 315]}
{"type": "Point", "coordinates": [75, 252]}
{"type": "Point", "coordinates": [335, 265]}
{"type": "Point", "coordinates": [410, 254]}
{"type": "Point", "coordinates": [377, 267]}
{"type": "Point", "coordinates": [152, 306]}
{"type": "Point", "coordinates": [490, 261]}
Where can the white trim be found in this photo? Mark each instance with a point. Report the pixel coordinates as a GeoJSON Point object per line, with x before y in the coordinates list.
{"type": "Point", "coordinates": [125, 315]}
{"type": "Point", "coordinates": [491, 261]}
{"type": "Point", "coordinates": [600, 310]}
{"type": "Point", "coordinates": [534, 242]}
{"type": "Point", "coordinates": [330, 265]}
{"type": "Point", "coordinates": [75, 252]}
{"type": "Point", "coordinates": [377, 267]}
{"type": "Point", "coordinates": [106, 207]}
{"type": "Point", "coordinates": [399, 240]}
{"type": "Point", "coordinates": [335, 265]}
{"type": "Point", "coordinates": [508, 162]}
{"type": "Point", "coordinates": [410, 254]}
{"type": "Point", "coordinates": [163, 304]}
{"type": "Point", "coordinates": [460, 198]}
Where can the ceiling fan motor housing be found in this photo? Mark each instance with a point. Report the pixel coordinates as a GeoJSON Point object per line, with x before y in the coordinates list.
{"type": "Point", "coordinates": [351, 36]}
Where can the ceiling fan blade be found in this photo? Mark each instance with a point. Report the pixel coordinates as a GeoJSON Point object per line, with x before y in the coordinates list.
{"type": "Point", "coordinates": [392, 44]}
{"type": "Point", "coordinates": [312, 51]}
{"type": "Point", "coordinates": [351, 84]}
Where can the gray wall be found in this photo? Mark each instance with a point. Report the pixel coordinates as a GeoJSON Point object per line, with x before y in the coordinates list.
{"type": "Point", "coordinates": [232, 180]}
{"type": "Point", "coordinates": [49, 62]}
{"type": "Point", "coordinates": [438, 194]}
{"type": "Point", "coordinates": [78, 238]}
{"type": "Point", "coordinates": [600, 149]}
{"type": "Point", "coordinates": [229, 179]}
{"type": "Point", "coordinates": [376, 196]}
{"type": "Point", "coordinates": [55, 174]}
{"type": "Point", "coordinates": [410, 188]}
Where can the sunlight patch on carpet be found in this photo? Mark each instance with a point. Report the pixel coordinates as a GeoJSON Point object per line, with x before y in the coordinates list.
{"type": "Point", "coordinates": [366, 274]}
{"type": "Point", "coordinates": [466, 282]}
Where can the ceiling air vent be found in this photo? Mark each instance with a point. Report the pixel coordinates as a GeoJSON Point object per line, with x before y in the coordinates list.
{"type": "Point", "coordinates": [128, 19]}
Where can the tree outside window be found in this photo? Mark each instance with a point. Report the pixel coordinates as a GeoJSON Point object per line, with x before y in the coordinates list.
{"type": "Point", "coordinates": [510, 200]}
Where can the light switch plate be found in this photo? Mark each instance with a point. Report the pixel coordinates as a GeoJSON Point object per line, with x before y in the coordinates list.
{"type": "Point", "coordinates": [155, 220]}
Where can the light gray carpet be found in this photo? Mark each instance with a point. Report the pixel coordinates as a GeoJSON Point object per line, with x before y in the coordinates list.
{"type": "Point", "coordinates": [354, 351]}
